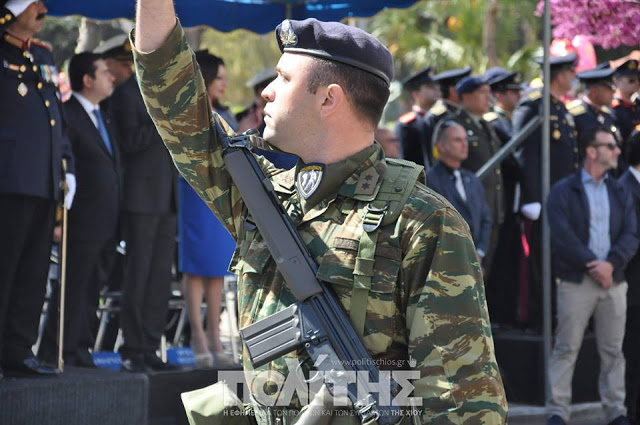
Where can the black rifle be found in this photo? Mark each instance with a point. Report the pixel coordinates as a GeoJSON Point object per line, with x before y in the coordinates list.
{"type": "Point", "coordinates": [317, 322]}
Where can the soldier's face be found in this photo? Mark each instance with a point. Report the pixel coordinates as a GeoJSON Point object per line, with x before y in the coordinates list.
{"type": "Point", "coordinates": [291, 111]}
{"type": "Point", "coordinates": [628, 84]}
{"type": "Point", "coordinates": [427, 95]}
{"type": "Point", "coordinates": [479, 100]}
{"type": "Point", "coordinates": [30, 21]}
{"type": "Point", "coordinates": [602, 94]}
{"type": "Point", "coordinates": [389, 142]}
{"type": "Point", "coordinates": [509, 98]}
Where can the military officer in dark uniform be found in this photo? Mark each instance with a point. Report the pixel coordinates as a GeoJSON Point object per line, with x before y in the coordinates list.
{"type": "Point", "coordinates": [475, 97]}
{"type": "Point", "coordinates": [625, 110]}
{"type": "Point", "coordinates": [592, 110]}
{"type": "Point", "coordinates": [506, 89]}
{"type": "Point", "coordinates": [33, 143]}
{"type": "Point", "coordinates": [447, 104]}
{"type": "Point", "coordinates": [564, 161]}
{"type": "Point", "coordinates": [411, 129]}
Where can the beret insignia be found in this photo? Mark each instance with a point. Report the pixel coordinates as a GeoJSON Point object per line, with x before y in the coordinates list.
{"type": "Point", "coordinates": [287, 36]}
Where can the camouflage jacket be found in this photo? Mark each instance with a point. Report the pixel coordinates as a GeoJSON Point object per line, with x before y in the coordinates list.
{"type": "Point", "coordinates": [426, 300]}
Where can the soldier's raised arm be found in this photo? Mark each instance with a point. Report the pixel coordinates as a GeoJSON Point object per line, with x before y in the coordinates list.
{"type": "Point", "coordinates": [155, 20]}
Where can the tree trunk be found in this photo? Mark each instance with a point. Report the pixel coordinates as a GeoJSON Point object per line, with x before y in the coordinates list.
{"type": "Point", "coordinates": [489, 34]}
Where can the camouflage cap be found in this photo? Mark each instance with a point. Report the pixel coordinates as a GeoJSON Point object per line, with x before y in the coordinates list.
{"type": "Point", "coordinates": [336, 42]}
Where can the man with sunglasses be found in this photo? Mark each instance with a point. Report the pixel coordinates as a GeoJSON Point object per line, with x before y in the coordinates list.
{"type": "Point", "coordinates": [592, 109]}
{"type": "Point", "coordinates": [593, 236]}
{"type": "Point", "coordinates": [626, 111]}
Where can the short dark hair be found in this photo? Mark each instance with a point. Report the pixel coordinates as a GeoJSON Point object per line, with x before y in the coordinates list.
{"type": "Point", "coordinates": [632, 148]}
{"type": "Point", "coordinates": [209, 65]}
{"type": "Point", "coordinates": [367, 93]}
{"type": "Point", "coordinates": [587, 137]}
{"type": "Point", "coordinates": [80, 65]}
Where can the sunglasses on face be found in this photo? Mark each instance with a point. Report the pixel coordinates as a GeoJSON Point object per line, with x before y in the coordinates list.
{"type": "Point", "coordinates": [610, 146]}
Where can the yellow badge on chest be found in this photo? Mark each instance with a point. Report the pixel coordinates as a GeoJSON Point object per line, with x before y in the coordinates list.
{"type": "Point", "coordinates": [308, 179]}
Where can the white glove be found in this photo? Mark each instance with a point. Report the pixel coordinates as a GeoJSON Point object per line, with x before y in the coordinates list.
{"type": "Point", "coordinates": [531, 211]}
{"type": "Point", "coordinates": [71, 185]}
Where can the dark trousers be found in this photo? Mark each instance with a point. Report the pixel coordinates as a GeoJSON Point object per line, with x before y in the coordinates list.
{"type": "Point", "coordinates": [631, 349]}
{"type": "Point", "coordinates": [88, 263]}
{"type": "Point", "coordinates": [146, 288]}
{"type": "Point", "coordinates": [502, 282]}
{"type": "Point", "coordinates": [26, 230]}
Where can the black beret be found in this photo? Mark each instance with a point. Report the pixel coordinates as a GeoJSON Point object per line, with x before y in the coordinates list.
{"type": "Point", "coordinates": [451, 76]}
{"type": "Point", "coordinates": [560, 61]}
{"type": "Point", "coordinates": [630, 67]}
{"type": "Point", "coordinates": [117, 47]}
{"type": "Point", "coordinates": [336, 42]}
{"type": "Point", "coordinates": [596, 75]}
{"type": "Point", "coordinates": [470, 84]}
{"type": "Point", "coordinates": [416, 79]}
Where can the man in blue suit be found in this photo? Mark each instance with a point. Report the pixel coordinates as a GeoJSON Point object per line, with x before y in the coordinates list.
{"type": "Point", "coordinates": [460, 186]}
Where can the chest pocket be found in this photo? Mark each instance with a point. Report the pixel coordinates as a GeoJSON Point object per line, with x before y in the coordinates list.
{"type": "Point", "coordinates": [337, 267]}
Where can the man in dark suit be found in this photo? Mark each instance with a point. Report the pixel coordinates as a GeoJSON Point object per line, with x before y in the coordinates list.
{"type": "Point", "coordinates": [410, 129]}
{"type": "Point", "coordinates": [149, 228]}
{"type": "Point", "coordinates": [94, 218]}
{"type": "Point", "coordinates": [630, 180]}
{"type": "Point", "coordinates": [33, 142]}
{"type": "Point", "coordinates": [593, 236]}
{"type": "Point", "coordinates": [460, 186]}
{"type": "Point", "coordinates": [564, 161]}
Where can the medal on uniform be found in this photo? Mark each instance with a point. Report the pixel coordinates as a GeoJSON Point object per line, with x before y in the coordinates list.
{"type": "Point", "coordinates": [22, 89]}
{"type": "Point", "coordinates": [600, 119]}
{"type": "Point", "coordinates": [556, 134]}
{"type": "Point", "coordinates": [309, 178]}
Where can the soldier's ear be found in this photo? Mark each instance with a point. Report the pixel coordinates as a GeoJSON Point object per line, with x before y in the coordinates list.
{"type": "Point", "coordinates": [87, 81]}
{"type": "Point", "coordinates": [334, 97]}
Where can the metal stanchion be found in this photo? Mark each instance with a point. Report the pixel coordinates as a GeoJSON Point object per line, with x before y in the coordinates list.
{"type": "Point", "coordinates": [63, 268]}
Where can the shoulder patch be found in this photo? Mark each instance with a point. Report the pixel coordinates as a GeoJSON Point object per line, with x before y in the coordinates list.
{"type": "Point", "coordinates": [408, 117]}
{"type": "Point", "coordinates": [438, 109]}
{"type": "Point", "coordinates": [490, 116]}
{"type": "Point", "coordinates": [41, 43]}
{"type": "Point", "coordinates": [534, 94]}
{"type": "Point", "coordinates": [576, 107]}
{"type": "Point", "coordinates": [606, 109]}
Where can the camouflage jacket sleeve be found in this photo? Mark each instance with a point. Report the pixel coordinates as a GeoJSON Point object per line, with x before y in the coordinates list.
{"type": "Point", "coordinates": [175, 96]}
{"type": "Point", "coordinates": [448, 329]}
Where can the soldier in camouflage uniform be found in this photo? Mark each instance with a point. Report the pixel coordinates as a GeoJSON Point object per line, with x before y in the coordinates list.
{"type": "Point", "coordinates": [426, 300]}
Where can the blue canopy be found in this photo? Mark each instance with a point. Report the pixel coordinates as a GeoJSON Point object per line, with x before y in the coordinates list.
{"type": "Point", "coordinates": [260, 16]}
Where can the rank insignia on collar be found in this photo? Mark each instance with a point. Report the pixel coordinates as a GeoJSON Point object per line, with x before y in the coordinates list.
{"type": "Point", "coordinates": [308, 179]}
{"type": "Point", "coordinates": [287, 36]}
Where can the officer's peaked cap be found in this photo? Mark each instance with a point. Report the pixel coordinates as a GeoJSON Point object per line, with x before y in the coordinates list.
{"type": "Point", "coordinates": [451, 76]}
{"type": "Point", "coordinates": [414, 80]}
